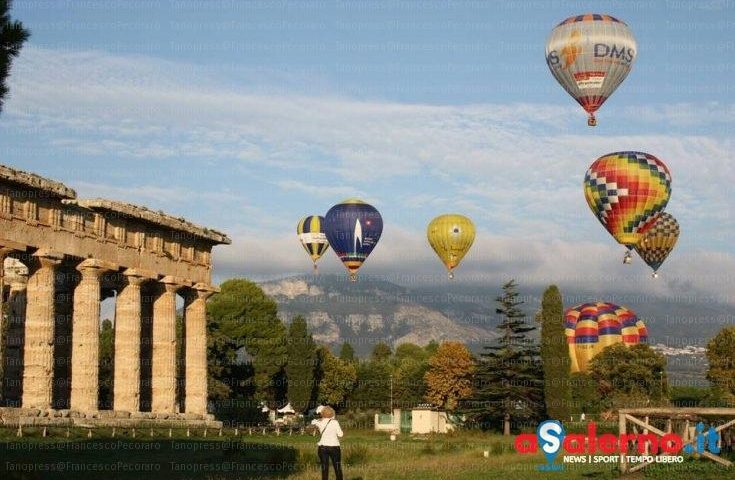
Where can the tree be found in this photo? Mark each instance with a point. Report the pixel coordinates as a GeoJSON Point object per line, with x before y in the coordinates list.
{"type": "Point", "coordinates": [411, 351]}
{"type": "Point", "coordinates": [431, 347]}
{"type": "Point", "coordinates": [584, 392]}
{"type": "Point", "coordinates": [105, 374]}
{"type": "Point", "coordinates": [508, 385]}
{"type": "Point", "coordinates": [372, 388]}
{"type": "Point", "coordinates": [555, 355]}
{"type": "Point", "coordinates": [381, 352]}
{"type": "Point", "coordinates": [410, 364]}
{"type": "Point", "coordinates": [630, 376]}
{"type": "Point", "coordinates": [347, 353]}
{"type": "Point", "coordinates": [449, 378]}
{"type": "Point", "coordinates": [409, 384]}
{"type": "Point", "coordinates": [337, 378]}
{"type": "Point", "coordinates": [300, 364]}
{"type": "Point", "coordinates": [12, 37]}
{"type": "Point", "coordinates": [241, 316]}
{"type": "Point", "coordinates": [721, 359]}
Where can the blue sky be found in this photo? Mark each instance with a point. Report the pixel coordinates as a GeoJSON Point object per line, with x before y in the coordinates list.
{"type": "Point", "coordinates": [244, 116]}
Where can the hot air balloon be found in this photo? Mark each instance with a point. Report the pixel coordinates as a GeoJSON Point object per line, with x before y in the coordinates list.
{"type": "Point", "coordinates": [627, 191]}
{"type": "Point", "coordinates": [311, 235]}
{"type": "Point", "coordinates": [353, 228]}
{"type": "Point", "coordinates": [658, 241]}
{"type": "Point", "coordinates": [451, 237]}
{"type": "Point", "coordinates": [590, 55]}
{"type": "Point", "coordinates": [590, 327]}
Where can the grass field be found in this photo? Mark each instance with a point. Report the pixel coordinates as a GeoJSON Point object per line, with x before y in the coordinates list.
{"type": "Point", "coordinates": [366, 455]}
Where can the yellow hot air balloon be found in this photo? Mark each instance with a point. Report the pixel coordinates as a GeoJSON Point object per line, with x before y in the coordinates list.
{"type": "Point", "coordinates": [451, 237]}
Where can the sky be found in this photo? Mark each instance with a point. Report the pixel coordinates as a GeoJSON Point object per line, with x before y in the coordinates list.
{"type": "Point", "coordinates": [245, 116]}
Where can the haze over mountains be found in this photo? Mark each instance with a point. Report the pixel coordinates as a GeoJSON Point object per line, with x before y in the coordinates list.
{"type": "Point", "coordinates": [372, 310]}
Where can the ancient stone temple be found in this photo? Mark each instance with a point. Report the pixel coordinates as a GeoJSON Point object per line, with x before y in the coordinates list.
{"type": "Point", "coordinates": [63, 256]}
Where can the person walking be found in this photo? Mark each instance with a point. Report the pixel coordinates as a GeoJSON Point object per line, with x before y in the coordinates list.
{"type": "Point", "coordinates": [328, 444]}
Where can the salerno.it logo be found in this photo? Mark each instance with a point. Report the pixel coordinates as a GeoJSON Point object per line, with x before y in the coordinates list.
{"type": "Point", "coordinates": [551, 438]}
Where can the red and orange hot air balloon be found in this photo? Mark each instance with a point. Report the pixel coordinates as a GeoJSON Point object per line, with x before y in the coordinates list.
{"type": "Point", "coordinates": [590, 327]}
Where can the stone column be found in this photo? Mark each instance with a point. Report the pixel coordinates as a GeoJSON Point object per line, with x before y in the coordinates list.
{"type": "Point", "coordinates": [85, 348]}
{"type": "Point", "coordinates": [4, 251]}
{"type": "Point", "coordinates": [163, 374]}
{"type": "Point", "coordinates": [13, 352]}
{"type": "Point", "coordinates": [195, 316]}
{"type": "Point", "coordinates": [128, 318]}
{"type": "Point", "coordinates": [38, 351]}
{"type": "Point", "coordinates": [3, 327]}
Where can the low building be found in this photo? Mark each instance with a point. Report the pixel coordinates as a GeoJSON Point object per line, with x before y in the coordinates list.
{"type": "Point", "coordinates": [422, 419]}
{"type": "Point", "coordinates": [429, 419]}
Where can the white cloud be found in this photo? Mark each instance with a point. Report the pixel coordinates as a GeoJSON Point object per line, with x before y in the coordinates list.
{"type": "Point", "coordinates": [404, 256]}
{"type": "Point", "coordinates": [320, 191]}
{"type": "Point", "coordinates": [517, 169]}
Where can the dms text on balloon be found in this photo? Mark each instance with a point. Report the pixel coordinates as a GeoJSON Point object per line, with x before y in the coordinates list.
{"type": "Point", "coordinates": [601, 51]}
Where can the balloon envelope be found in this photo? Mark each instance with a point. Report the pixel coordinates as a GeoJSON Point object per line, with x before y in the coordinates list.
{"type": "Point", "coordinates": [310, 231]}
{"type": "Point", "coordinates": [590, 327]}
{"type": "Point", "coordinates": [627, 191]}
{"type": "Point", "coordinates": [353, 228]}
{"type": "Point", "coordinates": [451, 237]}
{"type": "Point", "coordinates": [658, 241]}
{"type": "Point", "coordinates": [590, 56]}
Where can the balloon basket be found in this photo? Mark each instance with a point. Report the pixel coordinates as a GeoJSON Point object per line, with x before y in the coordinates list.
{"type": "Point", "coordinates": [353, 276]}
{"type": "Point", "coordinates": [451, 275]}
{"type": "Point", "coordinates": [316, 269]}
{"type": "Point", "coordinates": [592, 121]}
{"type": "Point", "coordinates": [627, 258]}
{"type": "Point", "coordinates": [654, 275]}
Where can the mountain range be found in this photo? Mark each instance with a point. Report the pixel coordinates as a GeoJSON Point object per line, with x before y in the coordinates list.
{"type": "Point", "coordinates": [372, 310]}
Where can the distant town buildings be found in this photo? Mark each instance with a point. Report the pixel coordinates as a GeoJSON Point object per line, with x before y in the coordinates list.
{"type": "Point", "coordinates": [673, 351]}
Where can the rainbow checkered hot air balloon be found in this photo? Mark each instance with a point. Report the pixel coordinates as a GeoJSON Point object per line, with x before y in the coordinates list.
{"type": "Point", "coordinates": [590, 327]}
{"type": "Point", "coordinates": [627, 191]}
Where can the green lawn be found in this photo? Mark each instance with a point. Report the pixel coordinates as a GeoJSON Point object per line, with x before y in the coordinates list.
{"type": "Point", "coordinates": [366, 455]}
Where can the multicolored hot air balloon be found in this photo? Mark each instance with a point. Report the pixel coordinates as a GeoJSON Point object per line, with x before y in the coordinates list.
{"type": "Point", "coordinates": [590, 327]}
{"type": "Point", "coordinates": [658, 241]}
{"type": "Point", "coordinates": [627, 191]}
{"type": "Point", "coordinates": [590, 56]}
{"type": "Point", "coordinates": [311, 235]}
{"type": "Point", "coordinates": [451, 237]}
{"type": "Point", "coordinates": [353, 229]}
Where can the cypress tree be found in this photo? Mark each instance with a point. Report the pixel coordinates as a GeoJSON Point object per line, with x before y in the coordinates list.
{"type": "Point", "coordinates": [300, 364]}
{"type": "Point", "coordinates": [555, 356]}
{"type": "Point", "coordinates": [508, 383]}
{"type": "Point", "coordinates": [347, 353]}
{"type": "Point", "coordinates": [381, 352]}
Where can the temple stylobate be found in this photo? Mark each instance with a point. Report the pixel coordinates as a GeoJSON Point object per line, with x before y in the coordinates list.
{"type": "Point", "coordinates": [63, 256]}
